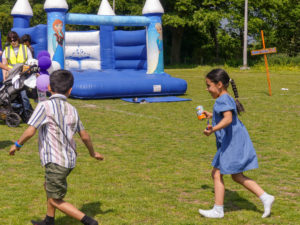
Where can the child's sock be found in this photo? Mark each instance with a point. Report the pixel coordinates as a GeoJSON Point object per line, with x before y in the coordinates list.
{"type": "Point", "coordinates": [86, 220]}
{"type": "Point", "coordinates": [267, 201]}
{"type": "Point", "coordinates": [216, 212]}
{"type": "Point", "coordinates": [47, 221]}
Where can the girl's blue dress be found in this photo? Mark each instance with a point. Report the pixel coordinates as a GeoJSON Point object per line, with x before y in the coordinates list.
{"type": "Point", "coordinates": [235, 151]}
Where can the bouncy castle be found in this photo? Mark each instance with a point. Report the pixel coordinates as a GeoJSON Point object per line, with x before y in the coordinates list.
{"type": "Point", "coordinates": [106, 63]}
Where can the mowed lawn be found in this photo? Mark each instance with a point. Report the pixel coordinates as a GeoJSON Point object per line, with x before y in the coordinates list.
{"type": "Point", "coordinates": [157, 161]}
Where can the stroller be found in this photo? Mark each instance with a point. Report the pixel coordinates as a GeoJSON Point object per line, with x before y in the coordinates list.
{"type": "Point", "coordinates": [12, 109]}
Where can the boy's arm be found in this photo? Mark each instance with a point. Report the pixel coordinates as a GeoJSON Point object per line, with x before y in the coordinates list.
{"type": "Point", "coordinates": [88, 143]}
{"type": "Point", "coordinates": [28, 133]}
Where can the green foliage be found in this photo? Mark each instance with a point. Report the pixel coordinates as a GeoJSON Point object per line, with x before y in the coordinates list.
{"type": "Point", "coordinates": [282, 60]}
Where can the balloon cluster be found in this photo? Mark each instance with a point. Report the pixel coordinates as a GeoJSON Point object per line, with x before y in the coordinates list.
{"type": "Point", "coordinates": [46, 66]}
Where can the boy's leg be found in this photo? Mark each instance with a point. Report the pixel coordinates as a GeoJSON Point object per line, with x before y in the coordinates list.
{"type": "Point", "coordinates": [50, 209]}
{"type": "Point", "coordinates": [56, 189]}
{"type": "Point", "coordinates": [66, 208]}
{"type": "Point", "coordinates": [71, 211]}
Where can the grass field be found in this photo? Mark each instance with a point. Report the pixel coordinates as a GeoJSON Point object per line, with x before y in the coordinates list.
{"type": "Point", "coordinates": [157, 161]}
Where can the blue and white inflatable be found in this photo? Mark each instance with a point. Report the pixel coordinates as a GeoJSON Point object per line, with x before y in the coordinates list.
{"type": "Point", "coordinates": [106, 63]}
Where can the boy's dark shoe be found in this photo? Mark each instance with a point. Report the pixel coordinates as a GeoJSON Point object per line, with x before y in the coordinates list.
{"type": "Point", "coordinates": [47, 221]}
{"type": "Point", "coordinates": [86, 220]}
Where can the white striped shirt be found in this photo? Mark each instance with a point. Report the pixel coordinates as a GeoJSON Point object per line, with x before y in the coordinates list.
{"type": "Point", "coordinates": [57, 122]}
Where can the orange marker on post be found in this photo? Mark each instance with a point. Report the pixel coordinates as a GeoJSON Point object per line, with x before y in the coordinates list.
{"type": "Point", "coordinates": [264, 52]}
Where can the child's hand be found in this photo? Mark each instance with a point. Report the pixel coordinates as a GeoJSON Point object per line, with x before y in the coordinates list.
{"type": "Point", "coordinates": [207, 114]}
{"type": "Point", "coordinates": [13, 149]}
{"type": "Point", "coordinates": [209, 130]}
{"type": "Point", "coordinates": [98, 156]}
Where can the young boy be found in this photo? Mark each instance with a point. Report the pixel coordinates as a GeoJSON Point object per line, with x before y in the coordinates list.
{"type": "Point", "coordinates": [57, 122]}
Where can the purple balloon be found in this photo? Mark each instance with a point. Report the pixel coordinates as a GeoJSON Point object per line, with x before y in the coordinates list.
{"type": "Point", "coordinates": [43, 53]}
{"type": "Point", "coordinates": [44, 72]}
{"type": "Point", "coordinates": [42, 83]}
{"type": "Point", "coordinates": [44, 62]}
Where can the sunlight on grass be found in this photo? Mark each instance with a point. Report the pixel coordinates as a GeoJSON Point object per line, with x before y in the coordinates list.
{"type": "Point", "coordinates": [157, 162]}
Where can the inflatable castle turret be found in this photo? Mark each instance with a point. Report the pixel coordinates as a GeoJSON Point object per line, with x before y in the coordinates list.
{"type": "Point", "coordinates": [154, 11]}
{"type": "Point", "coordinates": [106, 34]}
{"type": "Point", "coordinates": [22, 13]}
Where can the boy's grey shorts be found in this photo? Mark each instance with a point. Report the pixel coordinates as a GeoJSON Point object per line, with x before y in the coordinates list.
{"type": "Point", "coordinates": [56, 180]}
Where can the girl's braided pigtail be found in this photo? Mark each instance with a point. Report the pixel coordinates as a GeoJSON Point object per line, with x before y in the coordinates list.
{"type": "Point", "coordinates": [239, 106]}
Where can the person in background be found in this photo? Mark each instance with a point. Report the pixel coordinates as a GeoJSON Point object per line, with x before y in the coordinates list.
{"type": "Point", "coordinates": [13, 54]}
{"type": "Point", "coordinates": [26, 40]}
{"type": "Point", "coordinates": [4, 67]}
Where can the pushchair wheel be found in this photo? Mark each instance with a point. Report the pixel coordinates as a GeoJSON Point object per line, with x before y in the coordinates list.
{"type": "Point", "coordinates": [13, 120]}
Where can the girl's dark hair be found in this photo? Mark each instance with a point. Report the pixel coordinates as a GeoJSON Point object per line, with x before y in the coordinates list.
{"type": "Point", "coordinates": [220, 75]}
{"type": "Point", "coordinates": [61, 81]}
{"type": "Point", "coordinates": [12, 35]}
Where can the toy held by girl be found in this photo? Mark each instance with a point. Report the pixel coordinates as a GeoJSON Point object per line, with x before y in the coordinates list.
{"type": "Point", "coordinates": [235, 152]}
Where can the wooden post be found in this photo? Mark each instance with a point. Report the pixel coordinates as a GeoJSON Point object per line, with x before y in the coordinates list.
{"type": "Point", "coordinates": [266, 63]}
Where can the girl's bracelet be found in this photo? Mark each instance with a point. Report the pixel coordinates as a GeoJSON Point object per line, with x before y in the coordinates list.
{"type": "Point", "coordinates": [18, 145]}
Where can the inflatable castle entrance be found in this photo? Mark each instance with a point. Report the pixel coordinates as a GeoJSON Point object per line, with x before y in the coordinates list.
{"type": "Point", "coordinates": [106, 63]}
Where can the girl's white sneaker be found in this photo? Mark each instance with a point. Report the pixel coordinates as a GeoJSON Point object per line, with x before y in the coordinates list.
{"type": "Point", "coordinates": [212, 213]}
{"type": "Point", "coordinates": [268, 202]}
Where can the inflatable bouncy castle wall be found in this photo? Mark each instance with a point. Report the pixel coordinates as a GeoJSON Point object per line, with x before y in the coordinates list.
{"type": "Point", "coordinates": [106, 63]}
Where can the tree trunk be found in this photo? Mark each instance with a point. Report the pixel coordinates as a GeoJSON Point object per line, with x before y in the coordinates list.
{"type": "Point", "coordinates": [214, 34]}
{"type": "Point", "coordinates": [177, 34]}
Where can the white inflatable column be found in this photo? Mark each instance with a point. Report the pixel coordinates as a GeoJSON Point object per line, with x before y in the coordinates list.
{"type": "Point", "coordinates": [106, 37]}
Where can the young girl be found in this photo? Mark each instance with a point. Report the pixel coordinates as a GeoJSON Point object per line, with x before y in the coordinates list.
{"type": "Point", "coordinates": [235, 152]}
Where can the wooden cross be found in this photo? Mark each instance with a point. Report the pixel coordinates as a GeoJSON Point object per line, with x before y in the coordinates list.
{"type": "Point", "coordinates": [264, 52]}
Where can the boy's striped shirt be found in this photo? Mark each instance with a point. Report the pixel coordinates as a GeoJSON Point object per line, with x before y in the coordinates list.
{"type": "Point", "coordinates": [57, 121]}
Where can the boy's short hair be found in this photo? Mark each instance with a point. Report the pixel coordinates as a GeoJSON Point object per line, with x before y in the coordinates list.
{"type": "Point", "coordinates": [26, 37]}
{"type": "Point", "coordinates": [61, 81]}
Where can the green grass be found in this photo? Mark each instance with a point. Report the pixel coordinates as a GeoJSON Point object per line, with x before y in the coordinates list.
{"type": "Point", "coordinates": [157, 161]}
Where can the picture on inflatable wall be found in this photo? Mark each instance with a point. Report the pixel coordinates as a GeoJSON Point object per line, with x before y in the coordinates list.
{"type": "Point", "coordinates": [159, 42]}
{"type": "Point", "coordinates": [155, 53]}
{"type": "Point", "coordinates": [58, 40]}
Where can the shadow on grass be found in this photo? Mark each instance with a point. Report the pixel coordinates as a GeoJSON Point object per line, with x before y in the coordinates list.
{"type": "Point", "coordinates": [4, 144]}
{"type": "Point", "coordinates": [90, 209]}
{"type": "Point", "coordinates": [234, 202]}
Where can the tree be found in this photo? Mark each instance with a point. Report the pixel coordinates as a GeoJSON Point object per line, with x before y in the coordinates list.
{"type": "Point", "coordinates": [178, 17]}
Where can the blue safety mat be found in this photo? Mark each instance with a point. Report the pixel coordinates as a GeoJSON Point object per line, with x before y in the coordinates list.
{"type": "Point", "coordinates": [155, 99]}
